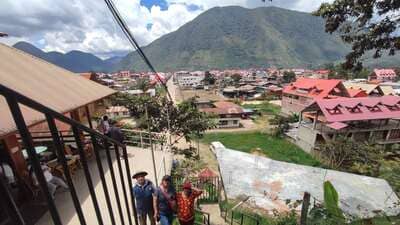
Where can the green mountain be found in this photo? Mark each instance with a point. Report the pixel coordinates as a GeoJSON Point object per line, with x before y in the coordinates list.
{"type": "Point", "coordinates": [236, 37]}
{"type": "Point", "coordinates": [75, 61]}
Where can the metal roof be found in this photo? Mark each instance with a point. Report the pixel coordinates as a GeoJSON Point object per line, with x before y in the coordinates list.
{"type": "Point", "coordinates": [50, 85]}
{"type": "Point", "coordinates": [363, 108]}
{"type": "Point", "coordinates": [315, 88]}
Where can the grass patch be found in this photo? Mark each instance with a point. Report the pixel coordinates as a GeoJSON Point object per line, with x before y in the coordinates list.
{"type": "Point", "coordinates": [273, 147]}
{"type": "Point", "coordinates": [265, 108]}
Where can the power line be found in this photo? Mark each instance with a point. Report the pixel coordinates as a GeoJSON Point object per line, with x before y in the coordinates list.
{"type": "Point", "coordinates": [134, 43]}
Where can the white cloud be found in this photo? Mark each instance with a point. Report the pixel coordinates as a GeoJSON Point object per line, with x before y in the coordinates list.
{"type": "Point", "coordinates": [87, 25]}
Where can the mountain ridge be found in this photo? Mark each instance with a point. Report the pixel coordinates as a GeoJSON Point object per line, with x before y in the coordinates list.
{"type": "Point", "coordinates": [232, 36]}
{"type": "Point", "coordinates": [75, 60]}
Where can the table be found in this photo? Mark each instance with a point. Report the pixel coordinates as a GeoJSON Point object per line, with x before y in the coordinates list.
{"type": "Point", "coordinates": [38, 150]}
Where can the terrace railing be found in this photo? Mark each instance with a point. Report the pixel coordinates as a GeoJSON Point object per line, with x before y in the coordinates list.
{"type": "Point", "coordinates": [124, 200]}
{"type": "Point", "coordinates": [142, 139]}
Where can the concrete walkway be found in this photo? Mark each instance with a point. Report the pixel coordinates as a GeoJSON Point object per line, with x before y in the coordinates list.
{"type": "Point", "coordinates": [215, 214]}
{"type": "Point", "coordinates": [139, 159]}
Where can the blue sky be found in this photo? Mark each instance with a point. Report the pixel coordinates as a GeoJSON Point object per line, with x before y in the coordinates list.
{"type": "Point", "coordinates": [149, 3]}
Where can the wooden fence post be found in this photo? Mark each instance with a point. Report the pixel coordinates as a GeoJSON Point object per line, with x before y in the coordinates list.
{"type": "Point", "coordinates": [304, 208]}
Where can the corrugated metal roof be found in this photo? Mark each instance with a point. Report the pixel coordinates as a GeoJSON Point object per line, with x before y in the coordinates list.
{"type": "Point", "coordinates": [364, 108]}
{"type": "Point", "coordinates": [314, 88]}
{"type": "Point", "coordinates": [50, 85]}
{"type": "Point", "coordinates": [368, 88]}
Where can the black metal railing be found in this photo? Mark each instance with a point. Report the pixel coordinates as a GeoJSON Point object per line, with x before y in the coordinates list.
{"type": "Point", "coordinates": [211, 187]}
{"type": "Point", "coordinates": [100, 144]}
{"type": "Point", "coordinates": [234, 217]}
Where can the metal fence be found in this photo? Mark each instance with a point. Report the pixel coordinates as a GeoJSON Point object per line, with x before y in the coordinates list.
{"type": "Point", "coordinates": [124, 198]}
{"type": "Point", "coordinates": [233, 217]}
{"type": "Point", "coordinates": [142, 139]}
{"type": "Point", "coordinates": [211, 187]}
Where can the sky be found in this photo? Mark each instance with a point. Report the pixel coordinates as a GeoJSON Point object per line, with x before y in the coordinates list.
{"type": "Point", "coordinates": [87, 25]}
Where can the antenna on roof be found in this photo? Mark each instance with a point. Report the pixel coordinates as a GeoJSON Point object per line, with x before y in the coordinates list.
{"type": "Point", "coordinates": [3, 34]}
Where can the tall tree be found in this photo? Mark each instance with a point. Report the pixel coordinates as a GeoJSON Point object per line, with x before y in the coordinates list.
{"type": "Point", "coordinates": [366, 25]}
{"type": "Point", "coordinates": [209, 79]}
{"type": "Point", "coordinates": [289, 76]}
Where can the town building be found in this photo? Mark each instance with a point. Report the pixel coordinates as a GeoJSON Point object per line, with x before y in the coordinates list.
{"type": "Point", "coordinates": [363, 89]}
{"type": "Point", "coordinates": [383, 75]}
{"type": "Point", "coordinates": [114, 112]}
{"type": "Point", "coordinates": [150, 92]}
{"type": "Point", "coordinates": [189, 80]}
{"type": "Point", "coordinates": [376, 120]}
{"type": "Point", "coordinates": [304, 91]}
{"type": "Point", "coordinates": [228, 114]}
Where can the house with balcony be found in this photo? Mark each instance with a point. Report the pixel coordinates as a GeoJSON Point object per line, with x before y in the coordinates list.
{"type": "Point", "coordinates": [376, 120]}
{"type": "Point", "coordinates": [55, 91]}
{"type": "Point", "coordinates": [301, 93]}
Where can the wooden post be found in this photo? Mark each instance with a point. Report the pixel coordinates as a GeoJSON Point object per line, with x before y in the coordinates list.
{"type": "Point", "coordinates": [141, 139]}
{"type": "Point", "coordinates": [304, 208]}
{"type": "Point", "coordinates": [315, 120]}
{"type": "Point", "coordinates": [89, 117]}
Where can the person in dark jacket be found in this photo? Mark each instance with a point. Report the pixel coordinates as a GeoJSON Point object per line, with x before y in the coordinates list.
{"type": "Point", "coordinates": [115, 133]}
{"type": "Point", "coordinates": [144, 191]}
{"type": "Point", "coordinates": [165, 205]}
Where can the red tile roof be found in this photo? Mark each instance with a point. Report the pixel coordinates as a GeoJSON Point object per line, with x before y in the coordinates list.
{"type": "Point", "coordinates": [315, 88]}
{"type": "Point", "coordinates": [364, 108]}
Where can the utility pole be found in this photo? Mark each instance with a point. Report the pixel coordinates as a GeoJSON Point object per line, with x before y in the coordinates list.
{"type": "Point", "coordinates": [151, 147]}
{"type": "Point", "coordinates": [169, 129]}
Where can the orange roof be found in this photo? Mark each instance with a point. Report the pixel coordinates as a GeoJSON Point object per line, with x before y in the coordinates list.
{"type": "Point", "coordinates": [310, 87]}
{"type": "Point", "coordinates": [354, 93]}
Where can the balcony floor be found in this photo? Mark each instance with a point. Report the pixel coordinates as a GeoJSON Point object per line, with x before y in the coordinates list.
{"type": "Point", "coordinates": [139, 159]}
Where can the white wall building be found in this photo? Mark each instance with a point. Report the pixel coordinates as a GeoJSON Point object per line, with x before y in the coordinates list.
{"type": "Point", "coordinates": [189, 80]}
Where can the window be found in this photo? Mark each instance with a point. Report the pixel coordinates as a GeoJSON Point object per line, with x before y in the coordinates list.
{"type": "Point", "coordinates": [355, 109]}
{"type": "Point", "coordinates": [223, 122]}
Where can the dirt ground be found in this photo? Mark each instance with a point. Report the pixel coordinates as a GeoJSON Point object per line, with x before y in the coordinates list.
{"type": "Point", "coordinates": [212, 95]}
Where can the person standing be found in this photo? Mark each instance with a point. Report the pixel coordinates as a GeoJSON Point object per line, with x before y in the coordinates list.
{"type": "Point", "coordinates": [185, 200]}
{"type": "Point", "coordinates": [143, 192]}
{"type": "Point", "coordinates": [164, 202]}
{"type": "Point", "coordinates": [104, 125]}
{"type": "Point", "coordinates": [114, 132]}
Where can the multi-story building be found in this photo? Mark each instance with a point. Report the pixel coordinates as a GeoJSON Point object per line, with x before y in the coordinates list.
{"type": "Point", "coordinates": [384, 75]}
{"type": "Point", "coordinates": [304, 91]}
{"type": "Point", "coordinates": [376, 120]}
{"type": "Point", "coordinates": [189, 80]}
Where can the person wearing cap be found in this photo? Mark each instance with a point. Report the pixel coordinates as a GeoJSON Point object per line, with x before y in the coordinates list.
{"type": "Point", "coordinates": [143, 191]}
{"type": "Point", "coordinates": [164, 202]}
{"type": "Point", "coordinates": [185, 200]}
